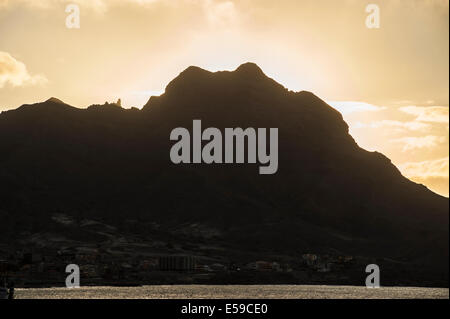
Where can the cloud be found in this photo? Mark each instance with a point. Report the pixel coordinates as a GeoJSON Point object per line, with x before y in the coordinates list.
{"type": "Point", "coordinates": [352, 107]}
{"type": "Point", "coordinates": [412, 143]}
{"type": "Point", "coordinates": [98, 5]}
{"type": "Point", "coordinates": [433, 173]}
{"type": "Point", "coordinates": [426, 169]}
{"type": "Point", "coordinates": [217, 12]}
{"type": "Point", "coordinates": [15, 72]}
{"type": "Point", "coordinates": [412, 125]}
{"type": "Point", "coordinates": [220, 13]}
{"type": "Point", "coordinates": [438, 114]}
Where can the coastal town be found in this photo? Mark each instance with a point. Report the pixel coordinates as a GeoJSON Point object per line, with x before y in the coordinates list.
{"type": "Point", "coordinates": [137, 254]}
{"type": "Point", "coordinates": [97, 267]}
{"type": "Point", "coordinates": [192, 255]}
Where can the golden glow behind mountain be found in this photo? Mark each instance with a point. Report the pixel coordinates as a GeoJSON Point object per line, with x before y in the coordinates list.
{"type": "Point", "coordinates": [391, 84]}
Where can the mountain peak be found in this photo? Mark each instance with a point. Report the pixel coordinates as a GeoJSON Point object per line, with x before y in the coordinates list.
{"type": "Point", "coordinates": [192, 72]}
{"type": "Point", "coordinates": [250, 68]}
{"type": "Point", "coordinates": [194, 69]}
{"type": "Point", "coordinates": [54, 100]}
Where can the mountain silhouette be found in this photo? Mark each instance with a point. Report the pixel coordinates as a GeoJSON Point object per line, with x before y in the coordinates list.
{"type": "Point", "coordinates": [328, 195]}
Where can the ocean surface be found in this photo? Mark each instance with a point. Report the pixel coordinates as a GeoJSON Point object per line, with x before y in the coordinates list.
{"type": "Point", "coordinates": [233, 292]}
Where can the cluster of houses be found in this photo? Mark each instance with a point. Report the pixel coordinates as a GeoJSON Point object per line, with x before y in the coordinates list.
{"type": "Point", "coordinates": [326, 263]}
{"type": "Point", "coordinates": [99, 265]}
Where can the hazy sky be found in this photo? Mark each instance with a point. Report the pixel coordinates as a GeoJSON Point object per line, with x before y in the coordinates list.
{"type": "Point", "coordinates": [390, 83]}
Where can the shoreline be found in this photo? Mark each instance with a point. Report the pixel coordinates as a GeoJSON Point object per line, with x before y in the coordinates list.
{"type": "Point", "coordinates": [233, 292]}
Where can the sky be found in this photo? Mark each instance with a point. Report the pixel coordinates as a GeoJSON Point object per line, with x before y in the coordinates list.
{"type": "Point", "coordinates": [390, 83]}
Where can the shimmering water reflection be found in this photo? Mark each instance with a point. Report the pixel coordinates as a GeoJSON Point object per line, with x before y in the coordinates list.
{"type": "Point", "coordinates": [232, 292]}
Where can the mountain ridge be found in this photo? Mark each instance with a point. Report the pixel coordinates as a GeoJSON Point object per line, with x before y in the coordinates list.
{"type": "Point", "coordinates": [113, 163]}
